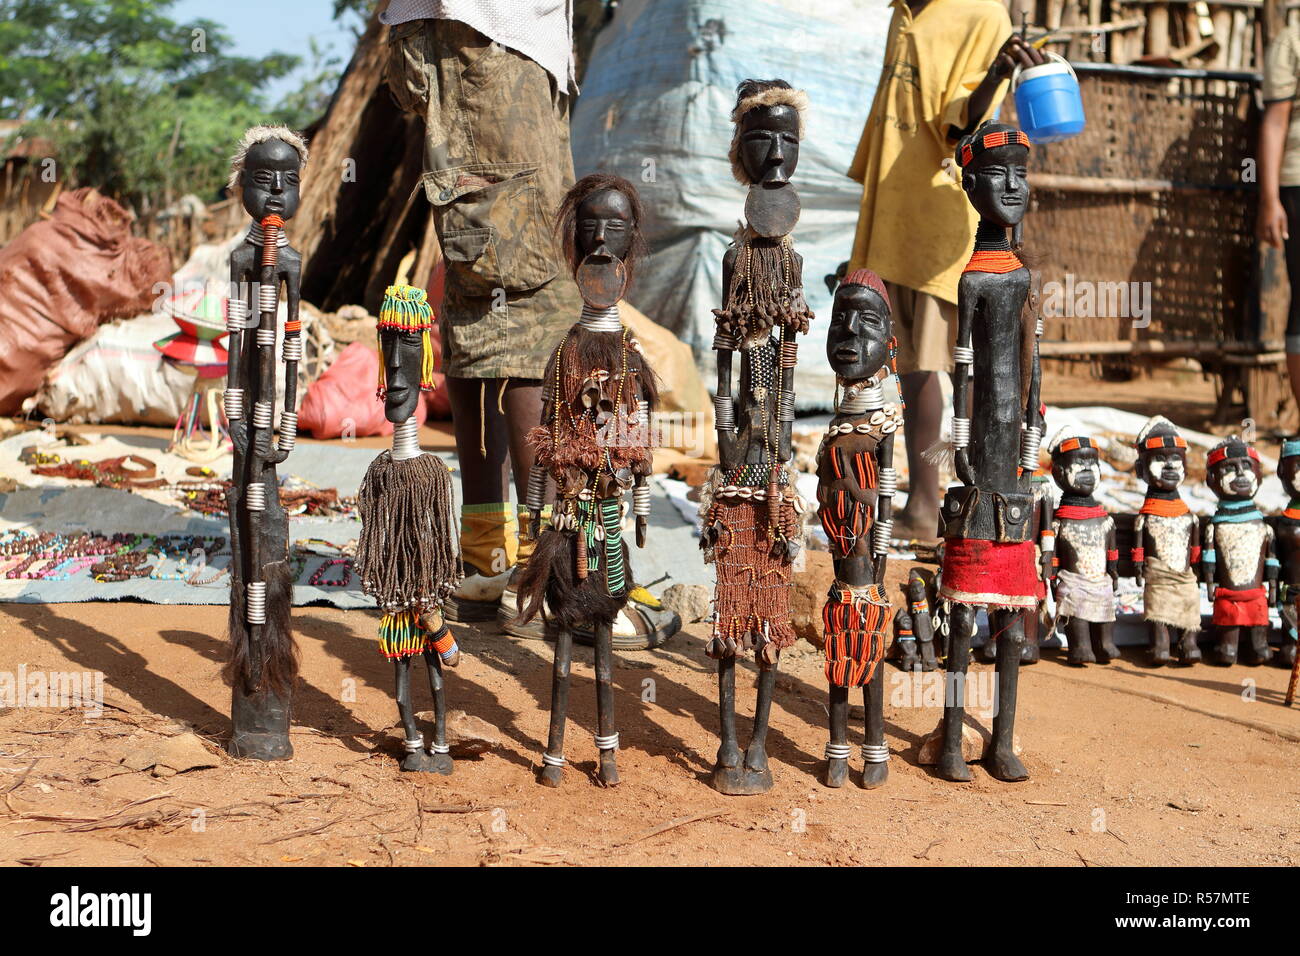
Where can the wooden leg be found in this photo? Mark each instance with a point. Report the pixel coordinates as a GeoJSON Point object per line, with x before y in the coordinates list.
{"type": "Point", "coordinates": [552, 772]}
{"type": "Point", "coordinates": [961, 625]}
{"type": "Point", "coordinates": [606, 735]}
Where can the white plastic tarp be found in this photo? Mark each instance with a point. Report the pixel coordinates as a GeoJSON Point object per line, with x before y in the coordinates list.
{"type": "Point", "coordinates": [655, 108]}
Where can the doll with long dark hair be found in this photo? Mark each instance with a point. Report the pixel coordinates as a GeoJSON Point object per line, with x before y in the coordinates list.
{"type": "Point", "coordinates": [594, 444]}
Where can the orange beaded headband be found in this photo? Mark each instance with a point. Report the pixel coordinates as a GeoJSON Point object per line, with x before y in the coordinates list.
{"type": "Point", "coordinates": [979, 144]}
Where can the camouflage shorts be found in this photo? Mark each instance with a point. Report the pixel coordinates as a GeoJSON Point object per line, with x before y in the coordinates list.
{"type": "Point", "coordinates": [496, 165]}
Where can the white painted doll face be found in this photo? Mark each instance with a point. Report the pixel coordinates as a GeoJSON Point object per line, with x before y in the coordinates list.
{"type": "Point", "coordinates": [1078, 472]}
{"type": "Point", "coordinates": [1166, 469]}
{"type": "Point", "coordinates": [1236, 478]}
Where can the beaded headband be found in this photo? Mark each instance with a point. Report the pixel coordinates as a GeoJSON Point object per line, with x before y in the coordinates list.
{"type": "Point", "coordinates": [1164, 441]}
{"type": "Point", "coordinates": [980, 144]}
{"type": "Point", "coordinates": [1074, 444]}
{"type": "Point", "coordinates": [1231, 449]}
{"type": "Point", "coordinates": [406, 309]}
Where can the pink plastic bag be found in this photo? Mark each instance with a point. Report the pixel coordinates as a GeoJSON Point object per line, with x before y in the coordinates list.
{"type": "Point", "coordinates": [343, 399]}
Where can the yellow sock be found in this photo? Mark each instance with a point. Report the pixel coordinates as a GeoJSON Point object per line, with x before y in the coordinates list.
{"type": "Point", "coordinates": [489, 537]}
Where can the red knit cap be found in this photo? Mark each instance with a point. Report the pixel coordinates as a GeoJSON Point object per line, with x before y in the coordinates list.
{"type": "Point", "coordinates": [866, 277]}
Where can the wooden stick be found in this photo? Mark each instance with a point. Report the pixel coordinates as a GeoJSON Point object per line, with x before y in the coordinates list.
{"type": "Point", "coordinates": [1295, 673]}
{"type": "Point", "coordinates": [672, 825]}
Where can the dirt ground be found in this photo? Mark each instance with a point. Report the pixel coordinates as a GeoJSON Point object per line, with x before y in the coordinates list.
{"type": "Point", "coordinates": [1129, 765]}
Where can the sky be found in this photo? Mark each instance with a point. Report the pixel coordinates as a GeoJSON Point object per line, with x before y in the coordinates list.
{"type": "Point", "coordinates": [259, 27]}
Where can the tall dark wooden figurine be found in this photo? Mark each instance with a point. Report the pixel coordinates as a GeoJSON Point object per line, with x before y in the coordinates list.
{"type": "Point", "coordinates": [1288, 551]}
{"type": "Point", "coordinates": [1167, 546]}
{"type": "Point", "coordinates": [408, 555]}
{"type": "Point", "coordinates": [989, 558]}
{"type": "Point", "coordinates": [595, 443]}
{"type": "Point", "coordinates": [1238, 563]}
{"type": "Point", "coordinates": [262, 663]}
{"type": "Point", "coordinates": [1086, 557]}
{"type": "Point", "coordinates": [856, 482]}
{"type": "Point", "coordinates": [751, 512]}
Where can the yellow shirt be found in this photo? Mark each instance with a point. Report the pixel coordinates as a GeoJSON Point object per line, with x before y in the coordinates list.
{"type": "Point", "coordinates": [916, 227]}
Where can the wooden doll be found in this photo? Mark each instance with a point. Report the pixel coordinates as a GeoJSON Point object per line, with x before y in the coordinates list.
{"type": "Point", "coordinates": [914, 648]}
{"type": "Point", "coordinates": [594, 443]}
{"type": "Point", "coordinates": [1167, 546]}
{"type": "Point", "coordinates": [262, 663]}
{"type": "Point", "coordinates": [1086, 557]}
{"type": "Point", "coordinates": [408, 554]}
{"type": "Point", "coordinates": [989, 558]}
{"type": "Point", "coordinates": [750, 509]}
{"type": "Point", "coordinates": [1288, 550]}
{"type": "Point", "coordinates": [1238, 564]}
{"type": "Point", "coordinates": [856, 482]}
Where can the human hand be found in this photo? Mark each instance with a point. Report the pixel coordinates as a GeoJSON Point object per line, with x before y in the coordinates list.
{"type": "Point", "coordinates": [1017, 51]}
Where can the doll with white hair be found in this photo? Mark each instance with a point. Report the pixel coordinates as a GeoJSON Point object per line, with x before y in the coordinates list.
{"type": "Point", "coordinates": [1167, 546]}
{"type": "Point", "coordinates": [1239, 566]}
{"type": "Point", "coordinates": [1086, 556]}
{"type": "Point", "coordinates": [262, 661]}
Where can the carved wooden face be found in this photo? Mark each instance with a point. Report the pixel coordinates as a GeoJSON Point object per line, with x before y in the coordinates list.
{"type": "Point", "coordinates": [604, 225]}
{"type": "Point", "coordinates": [1077, 472]}
{"type": "Point", "coordinates": [1165, 468]}
{"type": "Point", "coordinates": [403, 357]}
{"type": "Point", "coordinates": [1288, 472]}
{"type": "Point", "coordinates": [857, 343]}
{"type": "Point", "coordinates": [270, 179]}
{"type": "Point", "coordinates": [1234, 479]}
{"type": "Point", "coordinates": [997, 184]}
{"type": "Point", "coordinates": [769, 143]}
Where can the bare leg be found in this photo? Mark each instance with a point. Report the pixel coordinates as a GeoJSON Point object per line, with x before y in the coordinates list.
{"type": "Point", "coordinates": [553, 760]}
{"type": "Point", "coordinates": [1001, 759]}
{"type": "Point", "coordinates": [1225, 651]}
{"type": "Point", "coordinates": [837, 751]}
{"type": "Point", "coordinates": [1260, 652]}
{"type": "Point", "coordinates": [875, 752]}
{"type": "Point", "coordinates": [1080, 642]}
{"type": "Point", "coordinates": [921, 421]}
{"type": "Point", "coordinates": [438, 750]}
{"type": "Point", "coordinates": [952, 766]}
{"type": "Point", "coordinates": [416, 758]}
{"type": "Point", "coordinates": [1103, 642]}
{"type": "Point", "coordinates": [606, 736]}
{"type": "Point", "coordinates": [1189, 652]}
{"type": "Point", "coordinates": [1159, 644]}
{"type": "Point", "coordinates": [729, 748]}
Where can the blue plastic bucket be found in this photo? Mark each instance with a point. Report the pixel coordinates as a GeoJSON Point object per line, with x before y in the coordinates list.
{"type": "Point", "coordinates": [1049, 106]}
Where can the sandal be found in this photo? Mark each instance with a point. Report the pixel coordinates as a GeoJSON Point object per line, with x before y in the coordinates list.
{"type": "Point", "coordinates": [643, 624]}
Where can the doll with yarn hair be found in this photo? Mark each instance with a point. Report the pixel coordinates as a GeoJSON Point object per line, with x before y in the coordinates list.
{"type": "Point", "coordinates": [408, 553]}
{"type": "Point", "coordinates": [594, 445]}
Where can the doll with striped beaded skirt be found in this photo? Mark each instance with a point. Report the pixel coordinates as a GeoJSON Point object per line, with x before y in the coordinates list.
{"type": "Point", "coordinates": [262, 662]}
{"type": "Point", "coordinates": [856, 482]}
{"type": "Point", "coordinates": [1238, 564]}
{"type": "Point", "coordinates": [752, 515]}
{"type": "Point", "coordinates": [594, 445]}
{"type": "Point", "coordinates": [1167, 546]}
{"type": "Point", "coordinates": [989, 558]}
{"type": "Point", "coordinates": [408, 553]}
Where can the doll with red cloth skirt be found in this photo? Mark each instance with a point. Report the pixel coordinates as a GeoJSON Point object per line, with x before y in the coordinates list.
{"type": "Point", "coordinates": [1238, 565]}
{"type": "Point", "coordinates": [855, 488]}
{"type": "Point", "coordinates": [987, 521]}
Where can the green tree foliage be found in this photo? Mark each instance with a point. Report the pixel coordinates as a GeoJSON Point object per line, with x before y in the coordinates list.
{"type": "Point", "coordinates": [140, 106]}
